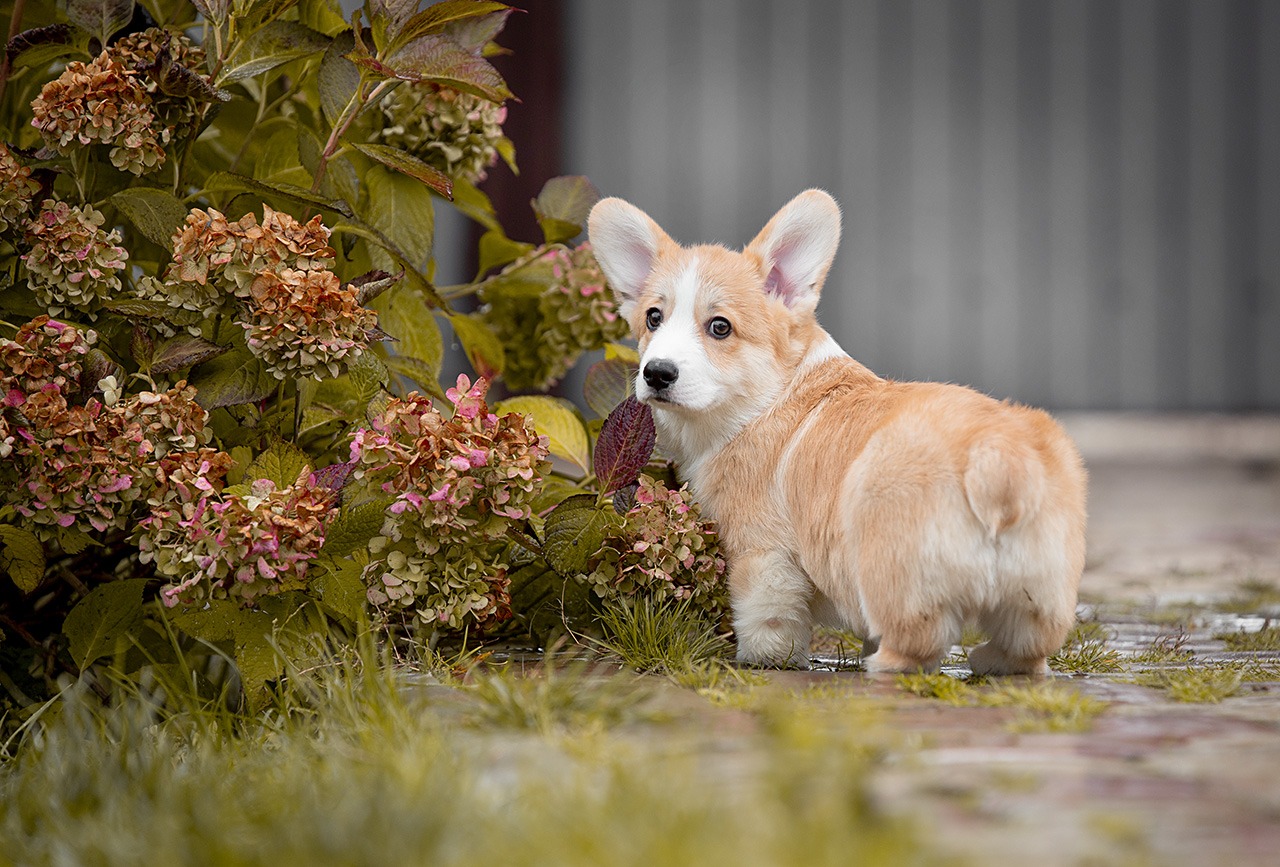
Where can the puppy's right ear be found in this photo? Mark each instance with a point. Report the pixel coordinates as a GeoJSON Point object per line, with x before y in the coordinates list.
{"type": "Point", "coordinates": [626, 241]}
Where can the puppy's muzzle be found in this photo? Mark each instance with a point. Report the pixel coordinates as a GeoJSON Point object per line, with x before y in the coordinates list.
{"type": "Point", "coordinates": [660, 374]}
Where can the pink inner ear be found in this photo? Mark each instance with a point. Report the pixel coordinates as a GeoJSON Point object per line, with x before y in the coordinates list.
{"type": "Point", "coordinates": [776, 284]}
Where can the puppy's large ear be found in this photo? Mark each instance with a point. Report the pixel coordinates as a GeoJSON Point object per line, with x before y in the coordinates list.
{"type": "Point", "coordinates": [797, 247]}
{"type": "Point", "coordinates": [626, 241]}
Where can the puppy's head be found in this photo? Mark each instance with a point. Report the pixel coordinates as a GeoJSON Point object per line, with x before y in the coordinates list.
{"type": "Point", "coordinates": [718, 329]}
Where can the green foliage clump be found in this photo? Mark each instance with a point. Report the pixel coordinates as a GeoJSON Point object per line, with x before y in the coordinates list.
{"type": "Point", "coordinates": [1085, 652]}
{"type": "Point", "coordinates": [652, 634]}
{"type": "Point", "coordinates": [1265, 639]}
{"type": "Point", "coordinates": [1041, 706]}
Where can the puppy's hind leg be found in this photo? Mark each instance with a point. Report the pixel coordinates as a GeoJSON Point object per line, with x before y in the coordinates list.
{"type": "Point", "coordinates": [771, 596]}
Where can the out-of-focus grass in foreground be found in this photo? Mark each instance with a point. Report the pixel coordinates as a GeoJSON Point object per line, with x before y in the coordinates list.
{"type": "Point", "coordinates": [356, 766]}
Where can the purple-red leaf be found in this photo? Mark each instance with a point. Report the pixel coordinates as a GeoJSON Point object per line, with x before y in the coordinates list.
{"type": "Point", "coordinates": [332, 478]}
{"type": "Point", "coordinates": [625, 445]}
{"type": "Point", "coordinates": [440, 60]}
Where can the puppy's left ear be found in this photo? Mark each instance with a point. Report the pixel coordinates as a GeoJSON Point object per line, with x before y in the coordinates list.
{"type": "Point", "coordinates": [797, 247]}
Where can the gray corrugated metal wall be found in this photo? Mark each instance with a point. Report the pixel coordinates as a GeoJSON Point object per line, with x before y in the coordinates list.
{"type": "Point", "coordinates": [1069, 202]}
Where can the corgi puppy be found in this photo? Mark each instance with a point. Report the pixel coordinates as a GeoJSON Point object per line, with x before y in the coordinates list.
{"type": "Point", "coordinates": [898, 510]}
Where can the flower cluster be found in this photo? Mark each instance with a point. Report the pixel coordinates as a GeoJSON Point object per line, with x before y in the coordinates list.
{"type": "Point", "coordinates": [572, 314]}
{"type": "Point", "coordinates": [456, 484]}
{"type": "Point", "coordinates": [17, 192]}
{"type": "Point", "coordinates": [101, 102]}
{"type": "Point", "coordinates": [68, 461]}
{"type": "Point", "coordinates": [240, 542]}
{"type": "Point", "coordinates": [457, 133]}
{"type": "Point", "coordinates": [662, 548]}
{"type": "Point", "coordinates": [304, 323]}
{"type": "Point", "coordinates": [117, 99]}
{"type": "Point", "coordinates": [72, 262]}
{"type": "Point", "coordinates": [274, 279]}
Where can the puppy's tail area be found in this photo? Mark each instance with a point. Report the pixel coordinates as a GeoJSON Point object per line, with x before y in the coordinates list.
{"type": "Point", "coordinates": [1004, 483]}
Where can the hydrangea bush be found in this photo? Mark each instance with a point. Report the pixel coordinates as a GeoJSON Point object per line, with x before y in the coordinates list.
{"type": "Point", "coordinates": [221, 420]}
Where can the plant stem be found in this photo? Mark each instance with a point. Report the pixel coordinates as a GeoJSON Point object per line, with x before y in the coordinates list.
{"type": "Point", "coordinates": [15, 27]}
{"type": "Point", "coordinates": [345, 119]}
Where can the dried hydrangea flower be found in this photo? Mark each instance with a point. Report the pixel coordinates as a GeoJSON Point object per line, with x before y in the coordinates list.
{"type": "Point", "coordinates": [457, 133]}
{"type": "Point", "coordinates": [662, 548]}
{"type": "Point", "coordinates": [101, 102]}
{"type": "Point", "coordinates": [148, 49]}
{"type": "Point", "coordinates": [72, 261]}
{"type": "Point", "coordinates": [17, 191]}
{"type": "Point", "coordinates": [574, 313]}
{"type": "Point", "coordinates": [458, 483]}
{"type": "Point", "coordinates": [239, 543]}
{"type": "Point", "coordinates": [306, 323]}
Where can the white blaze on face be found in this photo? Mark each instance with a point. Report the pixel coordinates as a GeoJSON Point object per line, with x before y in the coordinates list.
{"type": "Point", "coordinates": [679, 341]}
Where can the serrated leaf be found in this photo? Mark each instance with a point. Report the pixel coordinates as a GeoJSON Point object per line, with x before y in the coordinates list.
{"type": "Point", "coordinates": [412, 276]}
{"type": "Point", "coordinates": [100, 18]}
{"type": "Point", "coordinates": [440, 60]}
{"type": "Point", "coordinates": [418, 372]}
{"type": "Point", "coordinates": [105, 615]}
{"type": "Point", "coordinates": [213, 10]}
{"type": "Point", "coordinates": [276, 44]}
{"type": "Point", "coordinates": [401, 209]}
{"type": "Point", "coordinates": [574, 532]}
{"type": "Point", "coordinates": [232, 379]}
{"type": "Point", "coordinates": [338, 77]}
{"type": "Point", "coordinates": [97, 367]}
{"type": "Point", "coordinates": [181, 351]}
{"type": "Point", "coordinates": [558, 421]}
{"type": "Point", "coordinates": [353, 527]}
{"type": "Point", "coordinates": [339, 583]}
{"type": "Point", "coordinates": [407, 317]}
{"type": "Point", "coordinates": [157, 214]}
{"type": "Point", "coordinates": [22, 557]}
{"type": "Point", "coordinates": [215, 620]}
{"type": "Point", "coordinates": [626, 442]}
{"type": "Point", "coordinates": [407, 164]}
{"type": "Point", "coordinates": [256, 657]}
{"type": "Point", "coordinates": [484, 350]}
{"type": "Point", "coordinates": [438, 17]}
{"type": "Point", "coordinates": [281, 464]}
{"type": "Point", "coordinates": [73, 540]}
{"type": "Point", "coordinates": [232, 182]}
{"type": "Point", "coordinates": [145, 308]}
{"type": "Point", "coordinates": [607, 384]}
{"type": "Point", "coordinates": [371, 284]}
{"type": "Point", "coordinates": [563, 205]}
{"type": "Point", "coordinates": [476, 34]}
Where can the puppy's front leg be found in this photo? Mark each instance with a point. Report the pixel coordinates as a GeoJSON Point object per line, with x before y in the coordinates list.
{"type": "Point", "coordinates": [771, 595]}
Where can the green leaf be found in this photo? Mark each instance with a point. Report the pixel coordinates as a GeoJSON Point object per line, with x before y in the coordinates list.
{"type": "Point", "coordinates": [281, 464]}
{"type": "Point", "coordinates": [401, 209]}
{"type": "Point", "coordinates": [256, 657]}
{"type": "Point", "coordinates": [181, 351]}
{"type": "Point", "coordinates": [107, 614]}
{"type": "Point", "coordinates": [274, 45]}
{"type": "Point", "coordinates": [406, 316]}
{"type": "Point", "coordinates": [473, 203]}
{"type": "Point", "coordinates": [229, 181]}
{"type": "Point", "coordinates": [232, 379]}
{"type": "Point", "coordinates": [100, 18]}
{"type": "Point", "coordinates": [607, 384]}
{"type": "Point", "coordinates": [440, 60]}
{"type": "Point", "coordinates": [438, 16]}
{"type": "Point", "coordinates": [143, 308]}
{"type": "Point", "coordinates": [621, 352]}
{"type": "Point", "coordinates": [157, 214]}
{"type": "Point", "coordinates": [41, 46]}
{"type": "Point", "coordinates": [407, 164]}
{"type": "Point", "coordinates": [340, 584]}
{"type": "Point", "coordinates": [574, 532]}
{"type": "Point", "coordinates": [497, 250]}
{"type": "Point", "coordinates": [557, 420]}
{"type": "Point", "coordinates": [563, 205]}
{"type": "Point", "coordinates": [338, 78]}
{"type": "Point", "coordinates": [322, 15]}
{"type": "Point", "coordinates": [418, 371]}
{"type": "Point", "coordinates": [22, 556]}
{"type": "Point", "coordinates": [216, 620]}
{"type": "Point", "coordinates": [484, 350]}
{"type": "Point", "coordinates": [353, 527]}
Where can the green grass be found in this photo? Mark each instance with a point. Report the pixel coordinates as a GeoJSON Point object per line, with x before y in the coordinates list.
{"type": "Point", "coordinates": [1042, 706]}
{"type": "Point", "coordinates": [558, 697]}
{"type": "Point", "coordinates": [356, 768]}
{"type": "Point", "coordinates": [1251, 597]}
{"type": "Point", "coordinates": [1166, 649]}
{"type": "Point", "coordinates": [656, 636]}
{"type": "Point", "coordinates": [1085, 652]}
{"type": "Point", "coordinates": [1194, 685]}
{"type": "Point", "coordinates": [1264, 639]}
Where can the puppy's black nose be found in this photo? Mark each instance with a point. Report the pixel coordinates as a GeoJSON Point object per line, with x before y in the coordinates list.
{"type": "Point", "coordinates": [660, 373]}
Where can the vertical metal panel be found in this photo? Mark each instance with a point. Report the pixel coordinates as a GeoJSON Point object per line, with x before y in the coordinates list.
{"type": "Point", "coordinates": [1072, 203]}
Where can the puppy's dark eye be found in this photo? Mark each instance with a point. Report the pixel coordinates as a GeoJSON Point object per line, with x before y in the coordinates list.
{"type": "Point", "coordinates": [719, 328]}
{"type": "Point", "coordinates": [653, 318]}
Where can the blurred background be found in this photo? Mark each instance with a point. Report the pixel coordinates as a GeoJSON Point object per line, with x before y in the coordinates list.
{"type": "Point", "coordinates": [1074, 203]}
